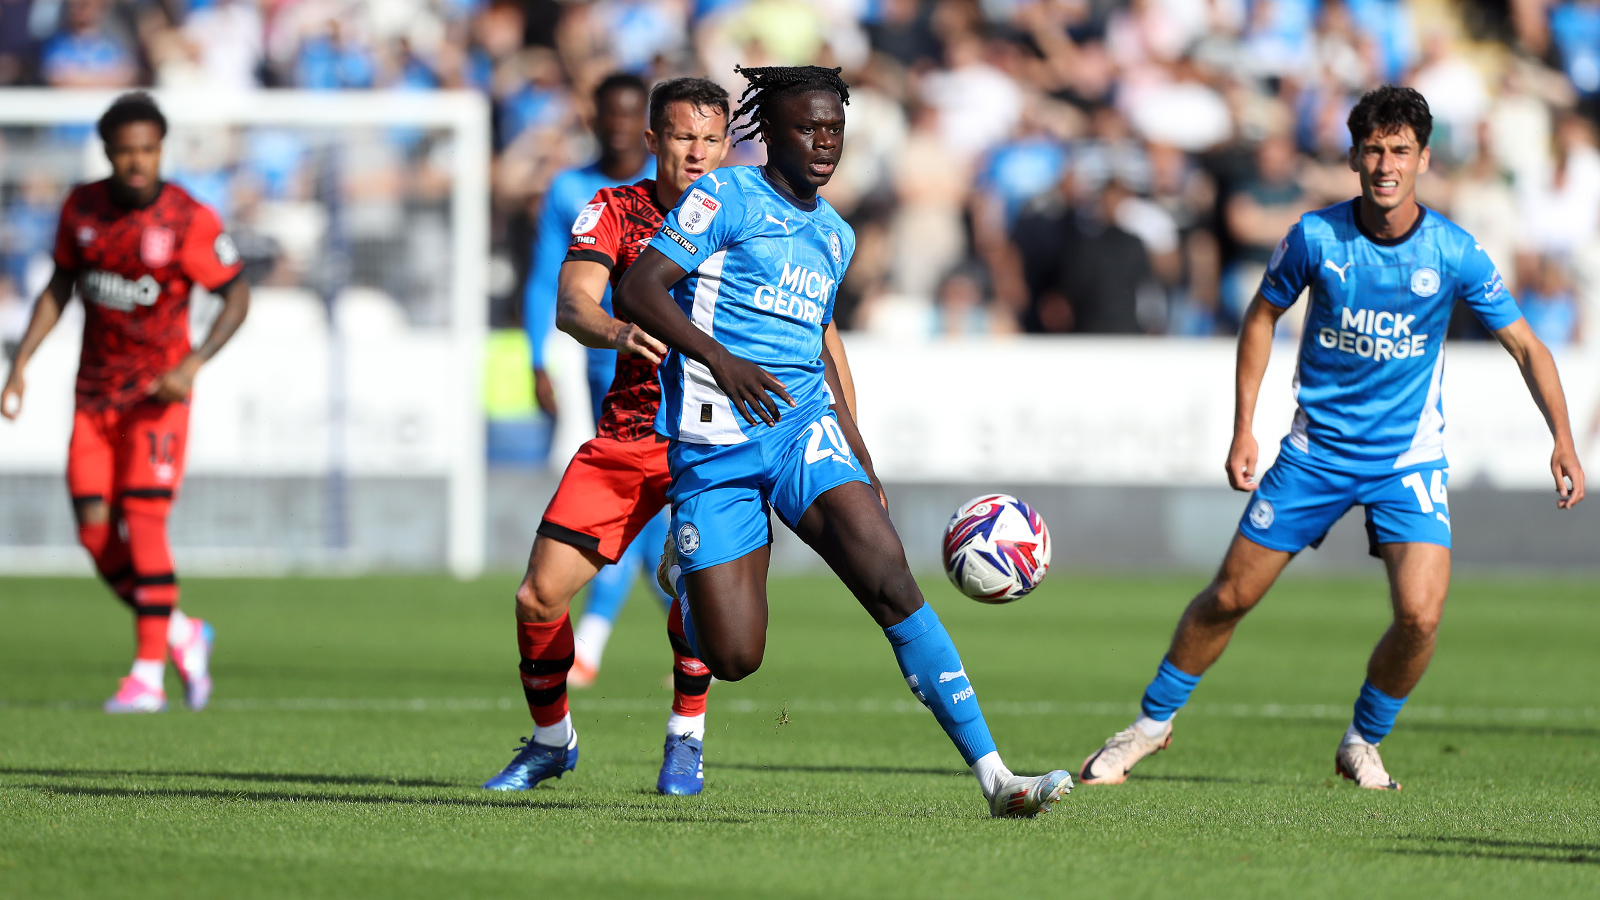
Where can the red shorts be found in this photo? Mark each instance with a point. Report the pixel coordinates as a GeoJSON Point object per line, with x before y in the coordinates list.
{"type": "Point", "coordinates": [610, 490]}
{"type": "Point", "coordinates": [134, 451]}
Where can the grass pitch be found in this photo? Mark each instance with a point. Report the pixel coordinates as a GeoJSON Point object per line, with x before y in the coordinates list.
{"type": "Point", "coordinates": [354, 720]}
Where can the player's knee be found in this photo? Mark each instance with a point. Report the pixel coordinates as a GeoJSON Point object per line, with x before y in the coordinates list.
{"type": "Point", "coordinates": [1418, 624]}
{"type": "Point", "coordinates": [1229, 599]}
{"type": "Point", "coordinates": [733, 663]}
{"type": "Point", "coordinates": [540, 599]}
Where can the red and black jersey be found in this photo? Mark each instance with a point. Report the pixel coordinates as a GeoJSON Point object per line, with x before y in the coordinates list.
{"type": "Point", "coordinates": [613, 230]}
{"type": "Point", "coordinates": [134, 268]}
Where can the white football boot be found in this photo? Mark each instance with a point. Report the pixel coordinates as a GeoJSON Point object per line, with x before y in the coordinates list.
{"type": "Point", "coordinates": [1112, 762]}
{"type": "Point", "coordinates": [666, 569]}
{"type": "Point", "coordinates": [1023, 796]}
{"type": "Point", "coordinates": [1358, 761]}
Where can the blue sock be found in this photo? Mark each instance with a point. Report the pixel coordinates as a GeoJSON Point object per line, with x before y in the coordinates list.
{"type": "Point", "coordinates": [1168, 692]}
{"type": "Point", "coordinates": [608, 592]}
{"type": "Point", "coordinates": [1375, 713]}
{"type": "Point", "coordinates": [933, 669]}
{"type": "Point", "coordinates": [649, 542]}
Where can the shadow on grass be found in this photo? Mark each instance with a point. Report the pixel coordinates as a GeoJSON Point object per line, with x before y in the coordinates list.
{"type": "Point", "coordinates": [271, 777]}
{"type": "Point", "coordinates": [1511, 851]}
{"type": "Point", "coordinates": [839, 770]}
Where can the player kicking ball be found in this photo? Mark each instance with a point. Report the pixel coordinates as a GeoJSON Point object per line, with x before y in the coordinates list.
{"type": "Point", "coordinates": [133, 246]}
{"type": "Point", "coordinates": [740, 283]}
{"type": "Point", "coordinates": [1384, 274]}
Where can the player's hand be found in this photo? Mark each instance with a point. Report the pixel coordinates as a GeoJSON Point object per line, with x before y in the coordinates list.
{"type": "Point", "coordinates": [748, 386]}
{"type": "Point", "coordinates": [630, 338]}
{"type": "Point", "coordinates": [544, 393]}
{"type": "Point", "coordinates": [1242, 462]}
{"type": "Point", "coordinates": [11, 397]}
{"type": "Point", "coordinates": [176, 384]}
{"type": "Point", "coordinates": [1565, 467]}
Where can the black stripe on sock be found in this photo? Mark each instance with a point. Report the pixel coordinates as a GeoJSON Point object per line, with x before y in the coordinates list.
{"type": "Point", "coordinates": [691, 685]}
{"type": "Point", "coordinates": [541, 667]}
{"type": "Point", "coordinates": [149, 493]}
{"type": "Point", "coordinates": [151, 610]}
{"type": "Point", "coordinates": [155, 580]}
{"type": "Point", "coordinates": [120, 574]}
{"type": "Point", "coordinates": [680, 646]}
{"type": "Point", "coordinates": [87, 498]}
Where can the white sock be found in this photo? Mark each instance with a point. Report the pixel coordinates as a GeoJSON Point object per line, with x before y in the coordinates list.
{"type": "Point", "coordinates": [1352, 736]}
{"type": "Point", "coordinates": [1149, 727]}
{"type": "Point", "coordinates": [178, 629]}
{"type": "Point", "coordinates": [589, 641]}
{"type": "Point", "coordinates": [152, 673]}
{"type": "Point", "coordinates": [561, 734]}
{"type": "Point", "coordinates": [991, 773]}
{"type": "Point", "coordinates": [693, 726]}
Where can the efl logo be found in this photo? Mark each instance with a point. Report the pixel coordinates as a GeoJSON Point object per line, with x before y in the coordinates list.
{"type": "Point", "coordinates": [156, 246]}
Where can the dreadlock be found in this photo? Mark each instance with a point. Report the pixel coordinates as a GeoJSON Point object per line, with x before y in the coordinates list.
{"type": "Point", "coordinates": [770, 83]}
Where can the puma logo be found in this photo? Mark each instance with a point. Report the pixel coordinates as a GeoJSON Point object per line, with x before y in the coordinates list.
{"type": "Point", "coordinates": [1328, 263]}
{"type": "Point", "coordinates": [715, 181]}
{"type": "Point", "coordinates": [784, 224]}
{"type": "Point", "coordinates": [952, 676]}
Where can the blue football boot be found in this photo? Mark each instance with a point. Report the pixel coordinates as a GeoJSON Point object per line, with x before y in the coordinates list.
{"type": "Point", "coordinates": [533, 764]}
{"type": "Point", "coordinates": [683, 773]}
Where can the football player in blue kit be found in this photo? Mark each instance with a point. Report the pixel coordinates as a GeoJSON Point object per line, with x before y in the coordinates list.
{"type": "Point", "coordinates": [1384, 274]}
{"type": "Point", "coordinates": [740, 283]}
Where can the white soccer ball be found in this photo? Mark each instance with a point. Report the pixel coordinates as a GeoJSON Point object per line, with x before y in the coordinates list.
{"type": "Point", "coordinates": [996, 548]}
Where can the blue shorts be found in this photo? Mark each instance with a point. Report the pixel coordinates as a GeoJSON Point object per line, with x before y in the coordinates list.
{"type": "Point", "coordinates": [720, 493]}
{"type": "Point", "coordinates": [1298, 502]}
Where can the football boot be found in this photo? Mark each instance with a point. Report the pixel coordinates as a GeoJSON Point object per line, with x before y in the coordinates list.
{"type": "Point", "coordinates": [1112, 762]}
{"type": "Point", "coordinates": [683, 771]}
{"type": "Point", "coordinates": [534, 763]}
{"type": "Point", "coordinates": [1023, 797]}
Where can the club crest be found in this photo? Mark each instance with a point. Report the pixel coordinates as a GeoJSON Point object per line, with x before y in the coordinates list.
{"type": "Point", "coordinates": [156, 246]}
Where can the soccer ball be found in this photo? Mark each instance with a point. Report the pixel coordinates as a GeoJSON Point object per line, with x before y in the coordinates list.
{"type": "Point", "coordinates": [996, 548]}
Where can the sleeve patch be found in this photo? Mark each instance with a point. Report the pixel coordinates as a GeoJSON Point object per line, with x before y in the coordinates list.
{"type": "Point", "coordinates": [589, 218]}
{"type": "Point", "coordinates": [223, 246]}
{"type": "Point", "coordinates": [697, 211]}
{"type": "Point", "coordinates": [1277, 255]}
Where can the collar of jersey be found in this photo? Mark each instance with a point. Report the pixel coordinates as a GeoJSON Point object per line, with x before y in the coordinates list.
{"type": "Point", "coordinates": [1355, 213]}
{"type": "Point", "coordinates": [161, 188]}
{"type": "Point", "coordinates": [785, 195]}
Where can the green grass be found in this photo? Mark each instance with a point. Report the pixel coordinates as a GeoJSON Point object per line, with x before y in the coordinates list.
{"type": "Point", "coordinates": [315, 775]}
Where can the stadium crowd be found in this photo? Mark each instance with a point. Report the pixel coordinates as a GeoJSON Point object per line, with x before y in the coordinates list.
{"type": "Point", "coordinates": [1087, 166]}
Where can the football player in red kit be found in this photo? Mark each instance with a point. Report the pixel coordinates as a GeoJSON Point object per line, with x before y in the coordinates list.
{"type": "Point", "coordinates": [133, 246]}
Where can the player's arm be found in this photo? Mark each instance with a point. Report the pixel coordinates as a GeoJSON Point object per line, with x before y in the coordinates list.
{"type": "Point", "coordinates": [644, 296]}
{"type": "Point", "coordinates": [46, 313]}
{"type": "Point", "coordinates": [1544, 383]}
{"type": "Point", "coordinates": [1255, 349]}
{"type": "Point", "coordinates": [176, 384]}
{"type": "Point", "coordinates": [834, 345]}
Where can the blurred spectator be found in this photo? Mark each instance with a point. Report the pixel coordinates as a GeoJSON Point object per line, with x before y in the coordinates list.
{"type": "Point", "coordinates": [1457, 97]}
{"type": "Point", "coordinates": [929, 236]}
{"type": "Point", "coordinates": [962, 307]}
{"type": "Point", "coordinates": [1560, 204]}
{"type": "Point", "coordinates": [1258, 215]}
{"type": "Point", "coordinates": [85, 53]}
{"type": "Point", "coordinates": [333, 59]}
{"type": "Point", "coordinates": [228, 37]}
{"type": "Point", "coordinates": [977, 104]}
{"type": "Point", "coordinates": [15, 40]}
{"type": "Point", "coordinates": [1548, 302]}
{"type": "Point", "coordinates": [1084, 272]}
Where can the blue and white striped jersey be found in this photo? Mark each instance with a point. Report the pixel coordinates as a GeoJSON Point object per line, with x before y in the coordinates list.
{"type": "Point", "coordinates": [1371, 362]}
{"type": "Point", "coordinates": [763, 269]}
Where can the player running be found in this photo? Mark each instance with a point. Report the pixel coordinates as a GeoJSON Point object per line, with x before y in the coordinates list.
{"type": "Point", "coordinates": [618, 481]}
{"type": "Point", "coordinates": [619, 127]}
{"type": "Point", "coordinates": [133, 246]}
{"type": "Point", "coordinates": [740, 283]}
{"type": "Point", "coordinates": [1384, 275]}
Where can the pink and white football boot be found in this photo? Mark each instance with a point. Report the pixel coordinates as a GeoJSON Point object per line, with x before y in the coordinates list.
{"type": "Point", "coordinates": [134, 696]}
{"type": "Point", "coordinates": [192, 658]}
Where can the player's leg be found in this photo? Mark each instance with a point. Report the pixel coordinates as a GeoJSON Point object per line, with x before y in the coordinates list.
{"type": "Point", "coordinates": [1294, 507]}
{"type": "Point", "coordinates": [90, 466]}
{"type": "Point", "coordinates": [609, 593]}
{"type": "Point", "coordinates": [556, 572]}
{"type": "Point", "coordinates": [1408, 524]}
{"type": "Point", "coordinates": [149, 453]}
{"type": "Point", "coordinates": [682, 755]}
{"type": "Point", "coordinates": [848, 527]}
{"type": "Point", "coordinates": [727, 623]}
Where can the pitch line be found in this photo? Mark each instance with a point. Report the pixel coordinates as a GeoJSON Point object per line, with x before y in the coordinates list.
{"type": "Point", "coordinates": [743, 706]}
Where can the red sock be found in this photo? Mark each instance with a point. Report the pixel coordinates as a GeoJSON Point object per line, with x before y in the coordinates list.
{"type": "Point", "coordinates": [690, 677]}
{"type": "Point", "coordinates": [150, 628]}
{"type": "Point", "coordinates": [546, 649]}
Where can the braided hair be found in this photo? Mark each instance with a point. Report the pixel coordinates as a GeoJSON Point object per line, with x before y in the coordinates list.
{"type": "Point", "coordinates": [770, 83]}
